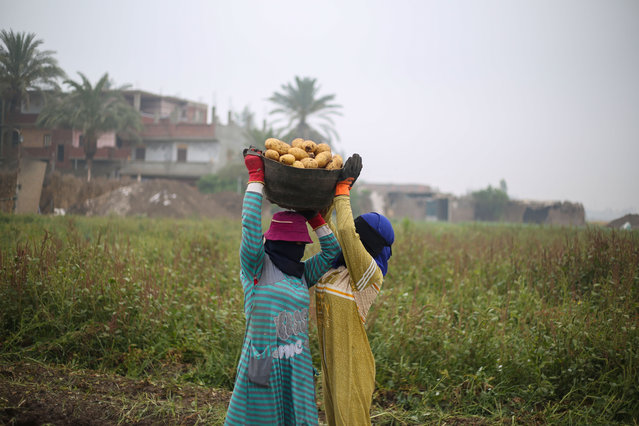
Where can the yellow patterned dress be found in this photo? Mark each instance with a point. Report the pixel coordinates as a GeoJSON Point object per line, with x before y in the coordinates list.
{"type": "Point", "coordinates": [343, 298]}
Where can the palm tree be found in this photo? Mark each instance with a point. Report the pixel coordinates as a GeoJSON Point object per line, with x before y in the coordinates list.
{"type": "Point", "coordinates": [23, 69]}
{"type": "Point", "coordinates": [93, 110]}
{"type": "Point", "coordinates": [300, 104]}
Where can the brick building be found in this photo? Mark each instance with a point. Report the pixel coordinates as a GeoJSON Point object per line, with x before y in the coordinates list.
{"type": "Point", "coordinates": [177, 141]}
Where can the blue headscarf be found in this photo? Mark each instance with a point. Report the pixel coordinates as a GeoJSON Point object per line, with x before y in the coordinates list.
{"type": "Point", "coordinates": [383, 231]}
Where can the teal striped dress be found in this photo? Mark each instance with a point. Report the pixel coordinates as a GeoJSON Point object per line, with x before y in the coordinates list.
{"type": "Point", "coordinates": [276, 310]}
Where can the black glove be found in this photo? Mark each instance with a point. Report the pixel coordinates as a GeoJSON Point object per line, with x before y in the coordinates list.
{"type": "Point", "coordinates": [308, 214]}
{"type": "Point", "coordinates": [351, 170]}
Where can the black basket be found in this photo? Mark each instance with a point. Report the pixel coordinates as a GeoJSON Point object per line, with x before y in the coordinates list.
{"type": "Point", "coordinates": [298, 189]}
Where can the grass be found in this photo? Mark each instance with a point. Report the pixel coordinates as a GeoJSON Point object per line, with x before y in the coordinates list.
{"type": "Point", "coordinates": [476, 323]}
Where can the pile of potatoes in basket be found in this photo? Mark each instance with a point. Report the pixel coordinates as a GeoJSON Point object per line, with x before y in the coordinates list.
{"type": "Point", "coordinates": [303, 154]}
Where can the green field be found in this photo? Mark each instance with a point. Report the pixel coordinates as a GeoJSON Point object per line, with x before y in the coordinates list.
{"type": "Point", "coordinates": [475, 324]}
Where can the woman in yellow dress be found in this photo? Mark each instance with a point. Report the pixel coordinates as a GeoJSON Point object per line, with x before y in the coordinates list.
{"type": "Point", "coordinates": [343, 297]}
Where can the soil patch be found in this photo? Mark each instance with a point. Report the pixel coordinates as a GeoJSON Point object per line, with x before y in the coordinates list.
{"type": "Point", "coordinates": [35, 394]}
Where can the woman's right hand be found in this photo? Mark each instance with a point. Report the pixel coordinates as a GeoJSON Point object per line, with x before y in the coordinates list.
{"type": "Point", "coordinates": [254, 164]}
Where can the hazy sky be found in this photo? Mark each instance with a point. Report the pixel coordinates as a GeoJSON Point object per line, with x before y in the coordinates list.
{"type": "Point", "coordinates": [453, 94]}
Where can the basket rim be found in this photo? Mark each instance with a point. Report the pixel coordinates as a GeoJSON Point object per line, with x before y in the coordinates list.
{"type": "Point", "coordinates": [299, 168]}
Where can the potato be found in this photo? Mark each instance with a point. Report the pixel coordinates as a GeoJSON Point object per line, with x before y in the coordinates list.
{"type": "Point", "coordinates": [335, 163]}
{"type": "Point", "coordinates": [322, 147]}
{"type": "Point", "coordinates": [323, 158]}
{"type": "Point", "coordinates": [277, 145]}
{"type": "Point", "coordinates": [287, 159]}
{"type": "Point", "coordinates": [271, 143]}
{"type": "Point", "coordinates": [298, 164]}
{"type": "Point", "coordinates": [309, 146]}
{"type": "Point", "coordinates": [309, 163]}
{"type": "Point", "coordinates": [272, 154]}
{"type": "Point", "coordinates": [298, 153]}
{"type": "Point", "coordinates": [297, 142]}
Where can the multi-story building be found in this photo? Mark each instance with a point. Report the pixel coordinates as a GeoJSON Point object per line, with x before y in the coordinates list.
{"type": "Point", "coordinates": [177, 141]}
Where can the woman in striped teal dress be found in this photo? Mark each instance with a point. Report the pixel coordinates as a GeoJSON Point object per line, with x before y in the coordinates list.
{"type": "Point", "coordinates": [274, 383]}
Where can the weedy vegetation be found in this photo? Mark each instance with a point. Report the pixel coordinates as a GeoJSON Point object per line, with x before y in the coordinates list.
{"type": "Point", "coordinates": [476, 323]}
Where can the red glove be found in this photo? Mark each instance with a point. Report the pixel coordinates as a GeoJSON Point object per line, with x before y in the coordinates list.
{"type": "Point", "coordinates": [314, 218]}
{"type": "Point", "coordinates": [316, 221]}
{"type": "Point", "coordinates": [254, 164]}
{"type": "Point", "coordinates": [348, 175]}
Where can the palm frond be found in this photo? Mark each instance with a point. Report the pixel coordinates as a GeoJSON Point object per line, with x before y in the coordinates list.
{"type": "Point", "coordinates": [24, 68]}
{"type": "Point", "coordinates": [299, 102]}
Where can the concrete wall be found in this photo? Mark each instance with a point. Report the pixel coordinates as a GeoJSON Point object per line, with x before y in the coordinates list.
{"type": "Point", "coordinates": [203, 152]}
{"type": "Point", "coordinates": [196, 151]}
{"type": "Point", "coordinates": [461, 210]}
{"type": "Point", "coordinates": [514, 212]}
{"type": "Point", "coordinates": [406, 207]}
{"type": "Point", "coordinates": [545, 213]}
{"type": "Point", "coordinates": [378, 202]}
{"type": "Point", "coordinates": [34, 137]}
{"type": "Point", "coordinates": [233, 140]}
{"type": "Point", "coordinates": [159, 151]}
{"type": "Point", "coordinates": [106, 140]}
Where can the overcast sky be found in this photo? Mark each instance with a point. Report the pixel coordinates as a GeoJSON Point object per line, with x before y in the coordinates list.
{"type": "Point", "coordinates": [453, 94]}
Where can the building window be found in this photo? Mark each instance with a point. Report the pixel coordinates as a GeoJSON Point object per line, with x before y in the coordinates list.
{"type": "Point", "coordinates": [140, 153]}
{"type": "Point", "coordinates": [46, 140]}
{"type": "Point", "coordinates": [60, 153]}
{"type": "Point", "coordinates": [181, 155]}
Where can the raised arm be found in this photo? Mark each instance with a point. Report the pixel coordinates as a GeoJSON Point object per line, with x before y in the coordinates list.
{"type": "Point", "coordinates": [317, 265]}
{"type": "Point", "coordinates": [252, 246]}
{"type": "Point", "coordinates": [361, 266]}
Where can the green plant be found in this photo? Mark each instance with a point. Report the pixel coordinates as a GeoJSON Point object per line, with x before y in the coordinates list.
{"type": "Point", "coordinates": [477, 323]}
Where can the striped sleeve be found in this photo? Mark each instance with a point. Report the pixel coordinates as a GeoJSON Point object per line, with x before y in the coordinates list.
{"type": "Point", "coordinates": [319, 264]}
{"type": "Point", "coordinates": [361, 266]}
{"type": "Point", "coordinates": [252, 246]}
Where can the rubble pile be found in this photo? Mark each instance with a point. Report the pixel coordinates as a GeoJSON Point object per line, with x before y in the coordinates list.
{"type": "Point", "coordinates": [161, 198]}
{"type": "Point", "coordinates": [629, 221]}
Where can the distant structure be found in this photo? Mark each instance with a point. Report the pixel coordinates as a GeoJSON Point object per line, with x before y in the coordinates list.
{"type": "Point", "coordinates": [421, 202]}
{"type": "Point", "coordinates": [177, 141]}
{"type": "Point", "coordinates": [418, 202]}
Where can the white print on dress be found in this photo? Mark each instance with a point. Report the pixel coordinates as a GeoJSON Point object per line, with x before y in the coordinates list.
{"type": "Point", "coordinates": [290, 350]}
{"type": "Point", "coordinates": [291, 324]}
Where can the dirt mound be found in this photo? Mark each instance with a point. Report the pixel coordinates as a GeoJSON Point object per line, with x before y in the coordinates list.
{"type": "Point", "coordinates": [632, 221]}
{"type": "Point", "coordinates": [64, 192]}
{"type": "Point", "coordinates": [157, 198]}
